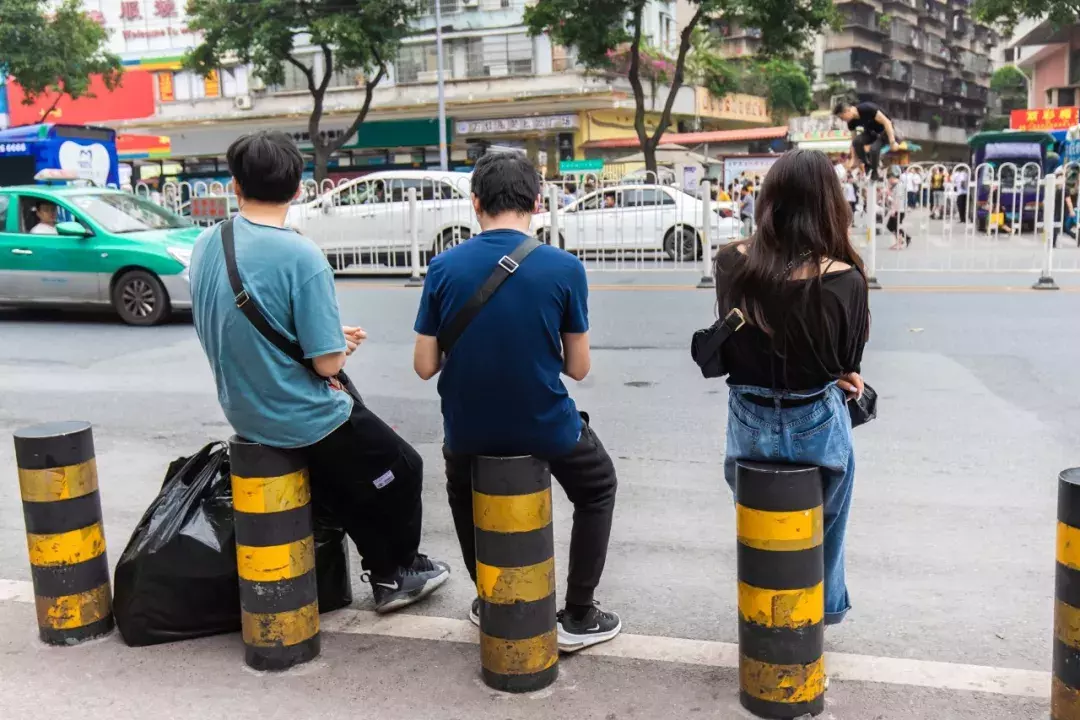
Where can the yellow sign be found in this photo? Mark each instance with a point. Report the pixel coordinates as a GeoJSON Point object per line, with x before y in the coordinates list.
{"type": "Point", "coordinates": [212, 84]}
{"type": "Point", "coordinates": [737, 106]}
{"type": "Point", "coordinates": [165, 87]}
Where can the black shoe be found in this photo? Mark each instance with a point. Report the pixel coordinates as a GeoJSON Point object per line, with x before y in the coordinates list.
{"type": "Point", "coordinates": [474, 612]}
{"type": "Point", "coordinates": [594, 628]}
{"type": "Point", "coordinates": [407, 585]}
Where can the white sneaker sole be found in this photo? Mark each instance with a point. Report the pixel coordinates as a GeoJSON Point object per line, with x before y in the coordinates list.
{"type": "Point", "coordinates": [405, 601]}
{"type": "Point", "coordinates": [572, 643]}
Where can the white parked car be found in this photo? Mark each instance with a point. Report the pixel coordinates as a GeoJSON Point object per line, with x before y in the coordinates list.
{"type": "Point", "coordinates": [367, 219]}
{"type": "Point", "coordinates": [637, 217]}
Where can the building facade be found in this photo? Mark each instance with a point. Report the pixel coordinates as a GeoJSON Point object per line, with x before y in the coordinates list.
{"type": "Point", "coordinates": [923, 61]}
{"type": "Point", "coordinates": [1050, 57]}
{"type": "Point", "coordinates": [503, 87]}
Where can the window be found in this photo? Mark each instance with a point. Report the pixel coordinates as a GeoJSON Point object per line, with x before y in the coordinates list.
{"type": "Point", "coordinates": [1066, 97]}
{"type": "Point", "coordinates": [419, 63]}
{"type": "Point", "coordinates": [499, 56]}
{"type": "Point", "coordinates": [50, 215]}
{"type": "Point", "coordinates": [295, 80]}
{"type": "Point", "coordinates": [122, 213]}
{"type": "Point", "coordinates": [1074, 67]}
{"type": "Point", "coordinates": [646, 197]}
{"type": "Point", "coordinates": [4, 202]}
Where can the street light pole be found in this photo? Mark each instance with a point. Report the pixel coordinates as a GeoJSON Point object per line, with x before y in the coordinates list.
{"type": "Point", "coordinates": [443, 165]}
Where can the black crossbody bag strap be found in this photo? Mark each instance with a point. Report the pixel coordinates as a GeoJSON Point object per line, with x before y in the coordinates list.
{"type": "Point", "coordinates": [246, 304]}
{"type": "Point", "coordinates": [507, 266]}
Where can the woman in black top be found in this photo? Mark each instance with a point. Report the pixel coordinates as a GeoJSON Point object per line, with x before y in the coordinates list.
{"type": "Point", "coordinates": [793, 366]}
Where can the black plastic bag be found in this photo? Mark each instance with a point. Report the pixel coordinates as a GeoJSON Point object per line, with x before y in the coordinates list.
{"type": "Point", "coordinates": [177, 578]}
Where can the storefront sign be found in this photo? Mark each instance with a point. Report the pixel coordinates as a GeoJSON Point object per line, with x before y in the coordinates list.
{"type": "Point", "coordinates": [579, 166]}
{"type": "Point", "coordinates": [812, 128]}
{"type": "Point", "coordinates": [540, 123]}
{"type": "Point", "coordinates": [1045, 119]}
{"type": "Point", "coordinates": [133, 98]}
{"type": "Point", "coordinates": [747, 168]}
{"type": "Point", "coordinates": [737, 106]}
{"type": "Point", "coordinates": [212, 84]}
{"type": "Point", "coordinates": [166, 91]}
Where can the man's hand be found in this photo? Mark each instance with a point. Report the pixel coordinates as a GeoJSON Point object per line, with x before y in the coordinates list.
{"type": "Point", "coordinates": [852, 384]}
{"type": "Point", "coordinates": [894, 146]}
{"type": "Point", "coordinates": [354, 336]}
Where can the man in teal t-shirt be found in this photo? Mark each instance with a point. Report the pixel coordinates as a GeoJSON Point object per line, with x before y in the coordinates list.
{"type": "Point", "coordinates": [362, 473]}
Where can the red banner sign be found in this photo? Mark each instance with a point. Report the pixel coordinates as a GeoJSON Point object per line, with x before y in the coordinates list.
{"type": "Point", "coordinates": [134, 98]}
{"type": "Point", "coordinates": [1044, 119]}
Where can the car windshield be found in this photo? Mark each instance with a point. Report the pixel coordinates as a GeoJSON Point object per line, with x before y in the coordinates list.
{"type": "Point", "coordinates": [122, 213]}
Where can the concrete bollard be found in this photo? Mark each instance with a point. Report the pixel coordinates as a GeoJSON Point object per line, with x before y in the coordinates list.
{"type": "Point", "coordinates": [781, 568]}
{"type": "Point", "coordinates": [275, 556]}
{"type": "Point", "coordinates": [1065, 685]}
{"type": "Point", "coordinates": [64, 534]}
{"type": "Point", "coordinates": [515, 573]}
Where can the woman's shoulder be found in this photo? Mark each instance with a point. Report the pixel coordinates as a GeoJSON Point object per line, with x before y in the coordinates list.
{"type": "Point", "coordinates": [731, 254]}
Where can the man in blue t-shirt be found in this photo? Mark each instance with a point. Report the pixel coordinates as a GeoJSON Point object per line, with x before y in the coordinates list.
{"type": "Point", "coordinates": [362, 474]}
{"type": "Point", "coordinates": [501, 389]}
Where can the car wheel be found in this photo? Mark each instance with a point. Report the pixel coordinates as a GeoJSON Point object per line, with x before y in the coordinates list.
{"type": "Point", "coordinates": [681, 243]}
{"type": "Point", "coordinates": [451, 237]}
{"type": "Point", "coordinates": [140, 298]}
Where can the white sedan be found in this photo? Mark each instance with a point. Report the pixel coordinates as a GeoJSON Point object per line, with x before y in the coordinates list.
{"type": "Point", "coordinates": [368, 218]}
{"type": "Point", "coordinates": [640, 218]}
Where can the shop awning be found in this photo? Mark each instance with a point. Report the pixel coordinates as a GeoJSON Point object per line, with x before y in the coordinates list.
{"type": "Point", "coordinates": [695, 138]}
{"type": "Point", "coordinates": [826, 146]}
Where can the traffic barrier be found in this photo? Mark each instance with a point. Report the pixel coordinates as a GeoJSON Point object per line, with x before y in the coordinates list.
{"type": "Point", "coordinates": [59, 486]}
{"type": "Point", "coordinates": [781, 570]}
{"type": "Point", "coordinates": [1065, 685]}
{"type": "Point", "coordinates": [275, 556]}
{"type": "Point", "coordinates": [515, 573]}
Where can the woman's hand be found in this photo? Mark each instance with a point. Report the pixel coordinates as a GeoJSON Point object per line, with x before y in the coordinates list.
{"type": "Point", "coordinates": [852, 384]}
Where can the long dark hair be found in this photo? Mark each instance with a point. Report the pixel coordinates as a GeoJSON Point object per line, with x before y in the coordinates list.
{"type": "Point", "coordinates": [801, 220]}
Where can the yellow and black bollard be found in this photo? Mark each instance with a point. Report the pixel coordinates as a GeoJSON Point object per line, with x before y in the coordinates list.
{"type": "Point", "coordinates": [59, 486]}
{"type": "Point", "coordinates": [1065, 686]}
{"type": "Point", "coordinates": [275, 555]}
{"type": "Point", "coordinates": [515, 573]}
{"type": "Point", "coordinates": [781, 563]}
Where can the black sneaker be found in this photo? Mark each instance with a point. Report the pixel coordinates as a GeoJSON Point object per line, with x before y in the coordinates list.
{"type": "Point", "coordinates": [474, 612]}
{"type": "Point", "coordinates": [407, 585]}
{"type": "Point", "coordinates": [596, 627]}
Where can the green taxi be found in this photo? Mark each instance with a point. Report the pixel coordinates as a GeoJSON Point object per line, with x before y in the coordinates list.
{"type": "Point", "coordinates": [68, 245]}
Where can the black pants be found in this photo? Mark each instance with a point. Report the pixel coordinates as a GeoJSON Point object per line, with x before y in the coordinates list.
{"type": "Point", "coordinates": [587, 475]}
{"type": "Point", "coordinates": [369, 480]}
{"type": "Point", "coordinates": [961, 207]}
{"type": "Point", "coordinates": [893, 226]}
{"type": "Point", "coordinates": [870, 160]}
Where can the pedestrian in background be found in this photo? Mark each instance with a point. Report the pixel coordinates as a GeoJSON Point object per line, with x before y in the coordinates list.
{"type": "Point", "coordinates": [801, 286]}
{"type": "Point", "coordinates": [937, 192]}
{"type": "Point", "coordinates": [850, 196]}
{"type": "Point", "coordinates": [500, 383]}
{"type": "Point", "coordinates": [960, 186]}
{"type": "Point", "coordinates": [362, 473]}
{"type": "Point", "coordinates": [896, 202]}
{"type": "Point", "coordinates": [913, 181]}
{"type": "Point", "coordinates": [746, 210]}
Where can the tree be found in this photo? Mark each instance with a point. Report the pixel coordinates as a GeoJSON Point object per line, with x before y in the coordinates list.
{"type": "Point", "coordinates": [357, 35]}
{"type": "Point", "coordinates": [784, 85]}
{"type": "Point", "coordinates": [54, 50]}
{"type": "Point", "coordinates": [598, 27]}
{"type": "Point", "coordinates": [1007, 13]}
{"type": "Point", "coordinates": [1011, 87]}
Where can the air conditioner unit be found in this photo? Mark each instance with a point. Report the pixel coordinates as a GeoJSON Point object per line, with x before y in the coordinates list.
{"type": "Point", "coordinates": [501, 70]}
{"type": "Point", "coordinates": [242, 102]}
{"type": "Point", "coordinates": [470, 3]}
{"type": "Point", "coordinates": [427, 76]}
{"type": "Point", "coordinates": [256, 83]}
{"type": "Point", "coordinates": [229, 58]}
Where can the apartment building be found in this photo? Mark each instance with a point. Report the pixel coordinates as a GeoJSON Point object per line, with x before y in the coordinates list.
{"type": "Point", "coordinates": [502, 87]}
{"type": "Point", "coordinates": [924, 61]}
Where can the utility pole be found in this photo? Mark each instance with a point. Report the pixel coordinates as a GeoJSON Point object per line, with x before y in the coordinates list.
{"type": "Point", "coordinates": [440, 81]}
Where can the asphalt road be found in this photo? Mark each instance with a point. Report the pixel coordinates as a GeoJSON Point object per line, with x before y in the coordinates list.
{"type": "Point", "coordinates": [950, 550]}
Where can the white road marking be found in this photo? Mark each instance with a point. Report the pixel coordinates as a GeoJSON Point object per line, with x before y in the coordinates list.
{"type": "Point", "coordinates": [840, 666]}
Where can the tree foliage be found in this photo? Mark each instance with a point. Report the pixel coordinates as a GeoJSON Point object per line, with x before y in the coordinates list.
{"type": "Point", "coordinates": [357, 35]}
{"type": "Point", "coordinates": [53, 50]}
{"type": "Point", "coordinates": [1007, 13]}
{"type": "Point", "coordinates": [597, 27]}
